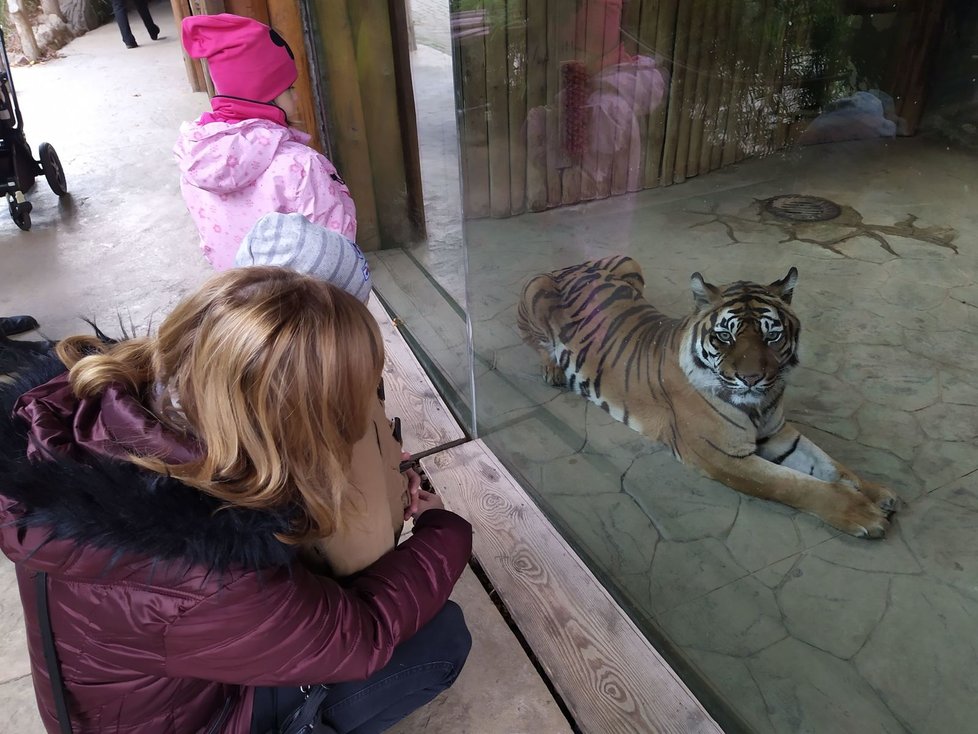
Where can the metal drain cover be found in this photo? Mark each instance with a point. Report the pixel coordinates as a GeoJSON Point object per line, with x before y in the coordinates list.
{"type": "Point", "coordinates": [800, 208]}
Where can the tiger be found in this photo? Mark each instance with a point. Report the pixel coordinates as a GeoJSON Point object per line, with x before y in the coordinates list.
{"type": "Point", "coordinates": [710, 386]}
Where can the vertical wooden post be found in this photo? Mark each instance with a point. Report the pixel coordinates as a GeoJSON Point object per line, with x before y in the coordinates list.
{"type": "Point", "coordinates": [646, 32]}
{"type": "Point", "coordinates": [713, 126]}
{"type": "Point", "coordinates": [374, 50]}
{"type": "Point", "coordinates": [728, 64]}
{"type": "Point", "coordinates": [593, 44]}
{"type": "Point", "coordinates": [623, 165]}
{"type": "Point", "coordinates": [757, 82]}
{"type": "Point", "coordinates": [257, 9]}
{"type": "Point", "coordinates": [517, 85]}
{"type": "Point", "coordinates": [470, 50]}
{"type": "Point", "coordinates": [772, 75]}
{"type": "Point", "coordinates": [402, 32]}
{"type": "Point", "coordinates": [568, 38]}
{"type": "Point", "coordinates": [537, 104]}
{"type": "Point", "coordinates": [497, 109]}
{"type": "Point", "coordinates": [705, 72]}
{"type": "Point", "coordinates": [910, 76]}
{"type": "Point", "coordinates": [677, 90]}
{"type": "Point", "coordinates": [195, 73]}
{"type": "Point", "coordinates": [284, 17]}
{"type": "Point", "coordinates": [352, 154]}
{"type": "Point", "coordinates": [665, 48]}
{"type": "Point", "coordinates": [560, 49]}
{"type": "Point", "coordinates": [693, 74]}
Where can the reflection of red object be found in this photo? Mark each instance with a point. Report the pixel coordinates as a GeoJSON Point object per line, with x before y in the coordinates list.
{"type": "Point", "coordinates": [575, 83]}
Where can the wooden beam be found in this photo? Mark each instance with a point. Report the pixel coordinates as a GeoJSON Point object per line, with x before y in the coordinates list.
{"type": "Point", "coordinates": [469, 30]}
{"type": "Point", "coordinates": [257, 9]}
{"type": "Point", "coordinates": [606, 671]}
{"type": "Point", "coordinates": [346, 116]}
{"type": "Point", "coordinates": [915, 57]}
{"type": "Point", "coordinates": [518, 89]}
{"type": "Point", "coordinates": [195, 72]}
{"type": "Point", "coordinates": [664, 48]}
{"type": "Point", "coordinates": [284, 16]}
{"type": "Point", "coordinates": [374, 50]}
{"type": "Point", "coordinates": [537, 104]}
{"type": "Point", "coordinates": [497, 111]}
{"type": "Point", "coordinates": [402, 34]}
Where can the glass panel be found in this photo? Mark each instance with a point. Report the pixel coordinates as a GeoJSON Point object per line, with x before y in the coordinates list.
{"type": "Point", "coordinates": [740, 139]}
{"type": "Point", "coordinates": [386, 103]}
{"type": "Point", "coordinates": [424, 282]}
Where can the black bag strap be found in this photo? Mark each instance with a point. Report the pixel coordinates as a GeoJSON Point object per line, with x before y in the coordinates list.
{"type": "Point", "coordinates": [50, 654]}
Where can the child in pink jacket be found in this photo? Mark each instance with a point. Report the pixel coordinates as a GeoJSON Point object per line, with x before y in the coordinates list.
{"type": "Point", "coordinates": [241, 160]}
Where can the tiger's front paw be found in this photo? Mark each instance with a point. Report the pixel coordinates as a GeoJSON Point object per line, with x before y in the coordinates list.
{"type": "Point", "coordinates": [858, 515]}
{"type": "Point", "coordinates": [884, 498]}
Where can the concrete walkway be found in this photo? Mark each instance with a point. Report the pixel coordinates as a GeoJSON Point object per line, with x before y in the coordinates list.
{"type": "Point", "coordinates": [123, 247]}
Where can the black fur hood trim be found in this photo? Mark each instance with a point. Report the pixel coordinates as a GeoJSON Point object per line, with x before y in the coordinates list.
{"type": "Point", "coordinates": [116, 506]}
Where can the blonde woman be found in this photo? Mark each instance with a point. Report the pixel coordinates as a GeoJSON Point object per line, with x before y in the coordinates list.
{"type": "Point", "coordinates": [165, 485]}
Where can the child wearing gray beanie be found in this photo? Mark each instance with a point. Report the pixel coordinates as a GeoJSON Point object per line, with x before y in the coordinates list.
{"type": "Point", "coordinates": [292, 241]}
{"type": "Point", "coordinates": [388, 497]}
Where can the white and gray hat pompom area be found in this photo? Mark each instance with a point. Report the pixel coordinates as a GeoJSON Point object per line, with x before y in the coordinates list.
{"type": "Point", "coordinates": [292, 241]}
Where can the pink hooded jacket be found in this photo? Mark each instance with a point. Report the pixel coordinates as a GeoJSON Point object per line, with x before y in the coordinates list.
{"type": "Point", "coordinates": [241, 161]}
{"type": "Point", "coordinates": [233, 173]}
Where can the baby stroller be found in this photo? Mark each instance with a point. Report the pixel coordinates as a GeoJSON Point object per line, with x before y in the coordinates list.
{"type": "Point", "coordinates": [18, 169]}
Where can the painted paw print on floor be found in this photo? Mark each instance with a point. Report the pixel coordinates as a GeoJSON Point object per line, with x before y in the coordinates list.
{"type": "Point", "coordinates": [831, 234]}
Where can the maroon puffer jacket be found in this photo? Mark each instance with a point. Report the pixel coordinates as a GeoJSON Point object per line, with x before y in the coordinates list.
{"type": "Point", "coordinates": [166, 612]}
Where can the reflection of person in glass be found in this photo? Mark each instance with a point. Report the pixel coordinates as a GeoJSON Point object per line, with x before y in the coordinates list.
{"type": "Point", "coordinates": [606, 92]}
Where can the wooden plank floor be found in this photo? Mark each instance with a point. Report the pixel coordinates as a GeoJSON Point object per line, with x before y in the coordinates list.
{"type": "Point", "coordinates": [608, 674]}
{"type": "Point", "coordinates": [605, 670]}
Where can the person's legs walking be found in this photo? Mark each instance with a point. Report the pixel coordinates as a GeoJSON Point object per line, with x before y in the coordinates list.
{"type": "Point", "coordinates": [142, 7]}
{"type": "Point", "coordinates": [122, 20]}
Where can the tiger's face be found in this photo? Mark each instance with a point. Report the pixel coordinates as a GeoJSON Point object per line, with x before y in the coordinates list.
{"type": "Point", "coordinates": [743, 338]}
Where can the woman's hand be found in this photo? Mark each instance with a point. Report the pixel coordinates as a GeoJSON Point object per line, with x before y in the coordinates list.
{"type": "Point", "coordinates": [428, 501]}
{"type": "Point", "coordinates": [414, 488]}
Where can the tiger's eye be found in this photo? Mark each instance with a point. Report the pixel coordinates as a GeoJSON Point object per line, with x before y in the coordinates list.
{"type": "Point", "coordinates": [774, 336]}
{"type": "Point", "coordinates": [725, 336]}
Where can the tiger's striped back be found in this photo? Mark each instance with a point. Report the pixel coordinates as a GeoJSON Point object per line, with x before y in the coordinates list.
{"type": "Point", "coordinates": [710, 386]}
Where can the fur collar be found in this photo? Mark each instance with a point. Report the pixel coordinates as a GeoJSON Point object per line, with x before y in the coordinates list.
{"type": "Point", "coordinates": [116, 506]}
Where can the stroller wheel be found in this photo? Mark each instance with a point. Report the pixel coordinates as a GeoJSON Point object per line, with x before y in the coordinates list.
{"type": "Point", "coordinates": [53, 172]}
{"type": "Point", "coordinates": [20, 212]}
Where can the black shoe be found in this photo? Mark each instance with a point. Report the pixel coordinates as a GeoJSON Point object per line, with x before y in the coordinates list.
{"type": "Point", "coordinates": [132, 45]}
{"type": "Point", "coordinates": [10, 325]}
{"type": "Point", "coordinates": [155, 35]}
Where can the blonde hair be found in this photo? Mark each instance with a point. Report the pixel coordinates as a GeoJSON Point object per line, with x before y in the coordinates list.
{"type": "Point", "coordinates": [275, 373]}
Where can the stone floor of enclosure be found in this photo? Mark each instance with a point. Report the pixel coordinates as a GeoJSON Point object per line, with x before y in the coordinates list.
{"type": "Point", "coordinates": [794, 627]}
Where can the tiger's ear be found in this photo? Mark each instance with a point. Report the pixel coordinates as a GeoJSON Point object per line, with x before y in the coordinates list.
{"type": "Point", "coordinates": [704, 294]}
{"type": "Point", "coordinates": [786, 286]}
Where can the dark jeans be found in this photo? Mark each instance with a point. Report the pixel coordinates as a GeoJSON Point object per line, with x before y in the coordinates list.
{"type": "Point", "coordinates": [419, 670]}
{"type": "Point", "coordinates": [122, 20]}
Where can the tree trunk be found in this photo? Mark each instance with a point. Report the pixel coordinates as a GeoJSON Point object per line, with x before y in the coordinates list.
{"type": "Point", "coordinates": [52, 7]}
{"type": "Point", "coordinates": [24, 30]}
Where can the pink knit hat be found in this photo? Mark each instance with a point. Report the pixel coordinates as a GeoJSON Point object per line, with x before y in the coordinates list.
{"type": "Point", "coordinates": [246, 59]}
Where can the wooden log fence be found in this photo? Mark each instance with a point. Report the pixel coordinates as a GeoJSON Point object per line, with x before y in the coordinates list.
{"type": "Point", "coordinates": [555, 108]}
